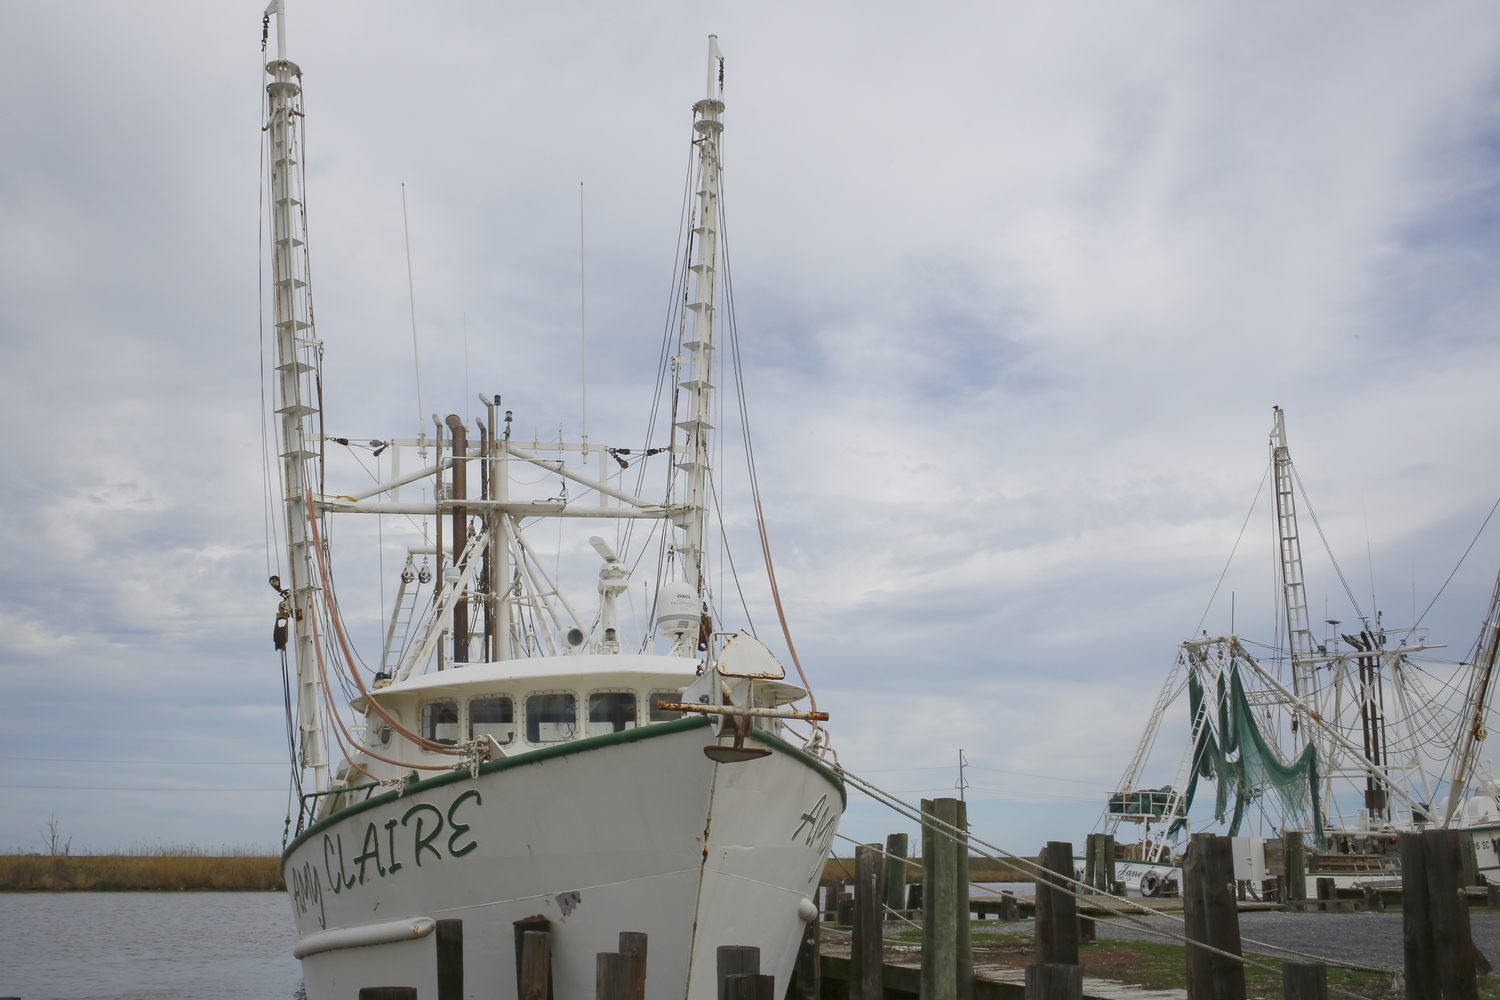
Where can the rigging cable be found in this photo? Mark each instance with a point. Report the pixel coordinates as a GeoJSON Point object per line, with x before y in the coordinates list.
{"type": "Point", "coordinates": [1197, 628]}
{"type": "Point", "coordinates": [675, 293]}
{"type": "Point", "coordinates": [760, 514]}
{"type": "Point", "coordinates": [1460, 561]}
{"type": "Point", "coordinates": [1326, 547]}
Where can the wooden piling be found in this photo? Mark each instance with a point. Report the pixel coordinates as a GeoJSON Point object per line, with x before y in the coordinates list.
{"type": "Point", "coordinates": [534, 969]}
{"type": "Point", "coordinates": [1042, 912]}
{"type": "Point", "coordinates": [844, 912]}
{"type": "Point", "coordinates": [1304, 980]}
{"type": "Point", "coordinates": [611, 976]}
{"type": "Point", "coordinates": [1452, 943]}
{"type": "Point", "coordinates": [867, 940]}
{"type": "Point", "coordinates": [963, 965]}
{"type": "Point", "coordinates": [633, 947]}
{"type": "Point", "coordinates": [1195, 926]}
{"type": "Point", "coordinates": [1294, 853]}
{"type": "Point", "coordinates": [537, 924]}
{"type": "Point", "coordinates": [940, 892]}
{"type": "Point", "coordinates": [1211, 914]}
{"type": "Point", "coordinates": [1054, 981]}
{"type": "Point", "coordinates": [1099, 862]}
{"type": "Point", "coordinates": [1057, 920]}
{"type": "Point", "coordinates": [1010, 910]}
{"type": "Point", "coordinates": [1420, 961]}
{"type": "Point", "coordinates": [750, 987]}
{"type": "Point", "coordinates": [896, 847]}
{"type": "Point", "coordinates": [450, 959]}
{"type": "Point", "coordinates": [736, 960]}
{"type": "Point", "coordinates": [1327, 889]}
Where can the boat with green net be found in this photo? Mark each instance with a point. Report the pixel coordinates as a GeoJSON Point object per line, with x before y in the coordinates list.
{"type": "Point", "coordinates": [1339, 738]}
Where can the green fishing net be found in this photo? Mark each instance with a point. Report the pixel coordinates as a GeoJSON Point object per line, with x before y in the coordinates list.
{"type": "Point", "coordinates": [1232, 751]}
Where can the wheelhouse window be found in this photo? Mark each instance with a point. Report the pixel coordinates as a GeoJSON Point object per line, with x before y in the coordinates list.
{"type": "Point", "coordinates": [492, 717]}
{"type": "Point", "coordinates": [440, 721]}
{"type": "Point", "coordinates": [611, 712]}
{"type": "Point", "coordinates": [659, 714]}
{"type": "Point", "coordinates": [551, 718]}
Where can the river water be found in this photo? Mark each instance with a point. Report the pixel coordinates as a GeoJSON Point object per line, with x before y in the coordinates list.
{"type": "Point", "coordinates": [139, 945]}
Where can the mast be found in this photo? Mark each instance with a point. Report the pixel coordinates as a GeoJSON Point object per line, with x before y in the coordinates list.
{"type": "Point", "coordinates": [1300, 642]}
{"type": "Point", "coordinates": [698, 331]}
{"type": "Point", "coordinates": [1476, 703]}
{"type": "Point", "coordinates": [296, 358]}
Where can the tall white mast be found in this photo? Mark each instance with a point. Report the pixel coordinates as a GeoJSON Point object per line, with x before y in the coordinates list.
{"type": "Point", "coordinates": [698, 329]}
{"type": "Point", "coordinates": [1300, 641]}
{"type": "Point", "coordinates": [296, 357]}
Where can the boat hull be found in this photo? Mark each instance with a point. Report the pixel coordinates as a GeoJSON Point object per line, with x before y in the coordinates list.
{"type": "Point", "coordinates": [637, 831]}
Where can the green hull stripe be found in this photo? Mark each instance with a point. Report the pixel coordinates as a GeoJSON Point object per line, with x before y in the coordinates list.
{"type": "Point", "coordinates": [562, 750]}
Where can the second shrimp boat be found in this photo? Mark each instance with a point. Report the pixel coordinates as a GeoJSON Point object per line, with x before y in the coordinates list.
{"type": "Point", "coordinates": [515, 759]}
{"type": "Point", "coordinates": [1338, 739]}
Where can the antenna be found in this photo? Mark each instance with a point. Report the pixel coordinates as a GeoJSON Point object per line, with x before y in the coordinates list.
{"type": "Point", "coordinates": [583, 324]}
{"type": "Point", "coordinates": [715, 67]}
{"type": "Point", "coordinates": [278, 7]}
{"type": "Point", "coordinates": [963, 782]}
{"type": "Point", "coordinates": [411, 298]}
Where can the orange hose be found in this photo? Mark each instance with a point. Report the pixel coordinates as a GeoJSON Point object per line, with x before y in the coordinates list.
{"type": "Point", "coordinates": [332, 601]}
{"type": "Point", "coordinates": [333, 711]}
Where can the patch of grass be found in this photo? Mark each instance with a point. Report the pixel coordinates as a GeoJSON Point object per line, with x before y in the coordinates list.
{"type": "Point", "coordinates": [1164, 966]}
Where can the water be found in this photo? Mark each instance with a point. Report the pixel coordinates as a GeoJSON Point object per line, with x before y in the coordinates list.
{"type": "Point", "coordinates": [139, 945]}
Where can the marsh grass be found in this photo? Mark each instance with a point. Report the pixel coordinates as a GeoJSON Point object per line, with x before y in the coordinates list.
{"type": "Point", "coordinates": [145, 868]}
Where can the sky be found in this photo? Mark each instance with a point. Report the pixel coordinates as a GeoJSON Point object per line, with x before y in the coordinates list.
{"type": "Point", "coordinates": [1017, 288]}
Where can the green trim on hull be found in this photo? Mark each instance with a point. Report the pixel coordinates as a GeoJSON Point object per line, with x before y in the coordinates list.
{"type": "Point", "coordinates": [563, 750]}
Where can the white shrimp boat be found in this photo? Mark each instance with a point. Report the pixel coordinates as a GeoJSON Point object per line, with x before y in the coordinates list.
{"type": "Point", "coordinates": [513, 758]}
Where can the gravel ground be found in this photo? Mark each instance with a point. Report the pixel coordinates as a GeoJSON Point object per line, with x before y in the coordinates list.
{"type": "Point", "coordinates": [1357, 938]}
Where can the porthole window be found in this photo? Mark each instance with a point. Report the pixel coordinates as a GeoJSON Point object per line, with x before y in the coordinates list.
{"type": "Point", "coordinates": [661, 714]}
{"type": "Point", "coordinates": [611, 712]}
{"type": "Point", "coordinates": [551, 717]}
{"type": "Point", "coordinates": [492, 717]}
{"type": "Point", "coordinates": [440, 721]}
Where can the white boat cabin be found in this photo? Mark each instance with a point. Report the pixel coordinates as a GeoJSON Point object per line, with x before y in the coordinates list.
{"type": "Point", "coordinates": [530, 704]}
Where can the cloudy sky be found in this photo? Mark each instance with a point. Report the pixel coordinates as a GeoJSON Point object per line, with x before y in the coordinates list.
{"type": "Point", "coordinates": [1018, 286]}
